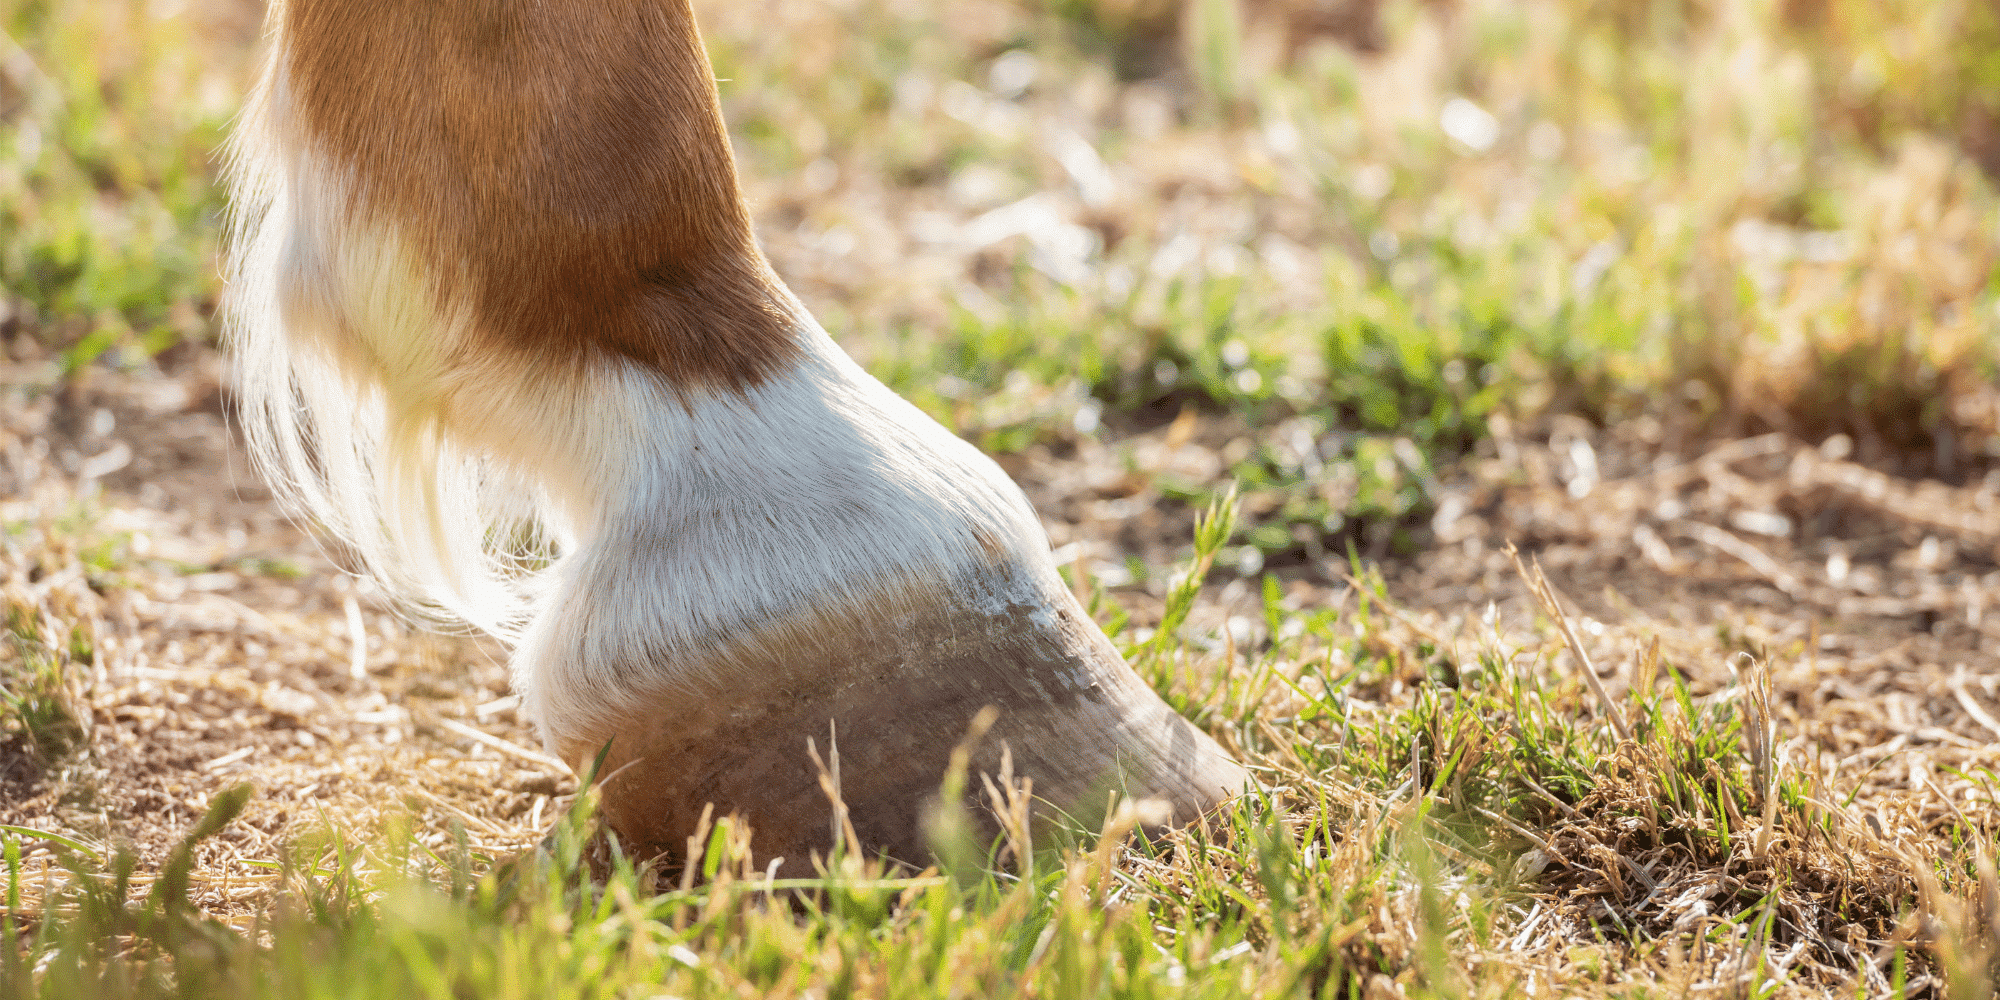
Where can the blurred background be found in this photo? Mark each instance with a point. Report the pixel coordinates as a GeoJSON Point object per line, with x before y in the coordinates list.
{"type": "Point", "coordinates": [1337, 250]}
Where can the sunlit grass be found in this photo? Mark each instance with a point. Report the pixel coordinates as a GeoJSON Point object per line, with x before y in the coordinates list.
{"type": "Point", "coordinates": [1349, 250]}
{"type": "Point", "coordinates": [1424, 814]}
{"type": "Point", "coordinates": [1730, 218]}
{"type": "Point", "coordinates": [108, 198]}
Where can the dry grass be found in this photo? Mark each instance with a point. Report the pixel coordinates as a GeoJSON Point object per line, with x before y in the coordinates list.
{"type": "Point", "coordinates": [1782, 784]}
{"type": "Point", "coordinates": [1141, 250]}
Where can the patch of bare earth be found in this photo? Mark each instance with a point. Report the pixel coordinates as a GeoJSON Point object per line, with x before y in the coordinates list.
{"type": "Point", "coordinates": [207, 642]}
{"type": "Point", "coordinates": [1849, 607]}
{"type": "Point", "coordinates": [1869, 597]}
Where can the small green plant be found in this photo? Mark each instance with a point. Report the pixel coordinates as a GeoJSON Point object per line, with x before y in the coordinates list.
{"type": "Point", "coordinates": [37, 708]}
{"type": "Point", "coordinates": [111, 219]}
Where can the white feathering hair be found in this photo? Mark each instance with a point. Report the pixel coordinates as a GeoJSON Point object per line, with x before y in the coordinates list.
{"type": "Point", "coordinates": [347, 427]}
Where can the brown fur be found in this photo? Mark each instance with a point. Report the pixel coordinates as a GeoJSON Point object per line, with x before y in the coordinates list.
{"type": "Point", "coordinates": [560, 164]}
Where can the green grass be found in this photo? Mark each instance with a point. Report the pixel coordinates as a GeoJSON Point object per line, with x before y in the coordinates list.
{"type": "Point", "coordinates": [1721, 217]}
{"type": "Point", "coordinates": [1399, 846]}
{"type": "Point", "coordinates": [48, 638]}
{"type": "Point", "coordinates": [1725, 220]}
{"type": "Point", "coordinates": [109, 203]}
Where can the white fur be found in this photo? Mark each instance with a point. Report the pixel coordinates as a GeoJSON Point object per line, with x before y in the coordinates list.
{"type": "Point", "coordinates": [818, 489]}
{"type": "Point", "coordinates": [681, 518]}
{"type": "Point", "coordinates": [346, 368]}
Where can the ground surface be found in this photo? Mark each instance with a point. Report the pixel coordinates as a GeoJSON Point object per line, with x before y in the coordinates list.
{"type": "Point", "coordinates": [223, 652]}
{"type": "Point", "coordinates": [1694, 303]}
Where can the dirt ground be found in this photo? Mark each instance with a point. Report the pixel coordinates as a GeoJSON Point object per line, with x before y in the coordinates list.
{"type": "Point", "coordinates": [215, 643]}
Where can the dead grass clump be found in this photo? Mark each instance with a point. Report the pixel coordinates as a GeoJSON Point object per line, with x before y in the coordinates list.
{"type": "Point", "coordinates": [1672, 843]}
{"type": "Point", "coordinates": [1880, 331]}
